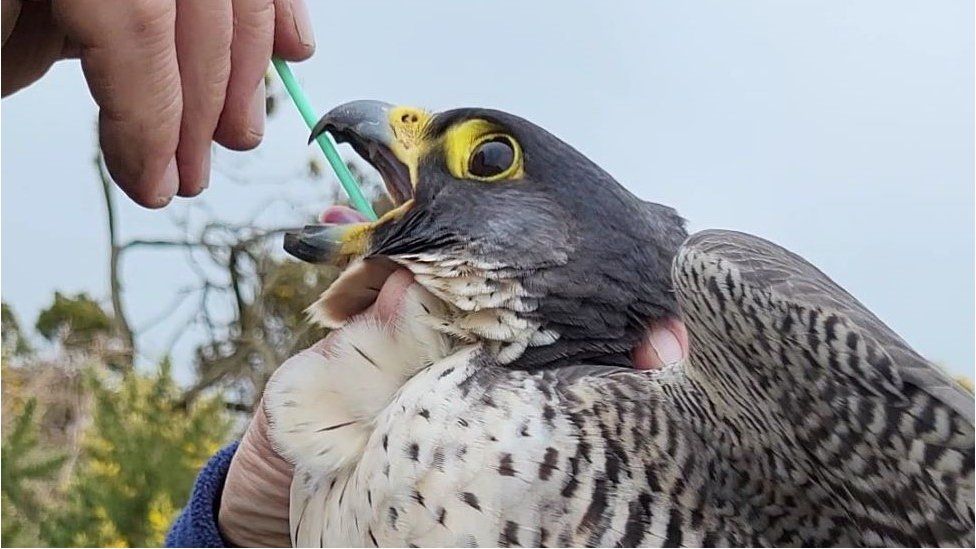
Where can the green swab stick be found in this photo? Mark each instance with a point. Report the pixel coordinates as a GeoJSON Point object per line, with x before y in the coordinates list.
{"type": "Point", "coordinates": [325, 142]}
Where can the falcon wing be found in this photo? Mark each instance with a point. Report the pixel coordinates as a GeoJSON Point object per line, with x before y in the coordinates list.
{"type": "Point", "coordinates": [842, 432]}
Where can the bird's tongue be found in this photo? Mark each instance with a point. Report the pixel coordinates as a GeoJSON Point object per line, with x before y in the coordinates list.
{"type": "Point", "coordinates": [341, 215]}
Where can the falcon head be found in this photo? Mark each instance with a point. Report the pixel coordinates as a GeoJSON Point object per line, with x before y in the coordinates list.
{"type": "Point", "coordinates": [534, 249]}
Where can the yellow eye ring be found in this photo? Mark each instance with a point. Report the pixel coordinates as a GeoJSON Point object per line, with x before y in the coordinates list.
{"type": "Point", "coordinates": [479, 150]}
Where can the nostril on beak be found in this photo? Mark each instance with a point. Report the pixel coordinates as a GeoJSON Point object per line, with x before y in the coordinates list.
{"type": "Point", "coordinates": [410, 117]}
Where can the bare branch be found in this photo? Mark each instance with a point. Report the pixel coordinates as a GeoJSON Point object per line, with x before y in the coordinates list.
{"type": "Point", "coordinates": [159, 243]}
{"type": "Point", "coordinates": [118, 310]}
{"type": "Point", "coordinates": [178, 300]}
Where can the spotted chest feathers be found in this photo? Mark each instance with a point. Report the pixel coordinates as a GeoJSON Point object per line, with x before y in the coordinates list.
{"type": "Point", "coordinates": [455, 450]}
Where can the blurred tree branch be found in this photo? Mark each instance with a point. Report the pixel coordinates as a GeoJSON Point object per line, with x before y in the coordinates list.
{"type": "Point", "coordinates": [118, 310]}
{"type": "Point", "coordinates": [247, 302]}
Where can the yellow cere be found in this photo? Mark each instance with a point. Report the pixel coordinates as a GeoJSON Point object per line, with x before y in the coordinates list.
{"type": "Point", "coordinates": [409, 143]}
{"type": "Point", "coordinates": [463, 139]}
{"type": "Point", "coordinates": [354, 238]}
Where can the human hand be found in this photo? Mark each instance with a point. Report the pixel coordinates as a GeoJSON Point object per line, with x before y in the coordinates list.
{"type": "Point", "coordinates": [169, 76]}
{"type": "Point", "coordinates": [254, 503]}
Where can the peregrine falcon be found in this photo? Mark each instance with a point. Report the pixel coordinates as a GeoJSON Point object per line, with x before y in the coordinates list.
{"type": "Point", "coordinates": [503, 408]}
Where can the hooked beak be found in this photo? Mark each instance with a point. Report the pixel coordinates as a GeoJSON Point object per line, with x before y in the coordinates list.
{"type": "Point", "coordinates": [367, 127]}
{"type": "Point", "coordinates": [370, 127]}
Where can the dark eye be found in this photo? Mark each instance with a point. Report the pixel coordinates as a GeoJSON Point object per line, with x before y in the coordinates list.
{"type": "Point", "coordinates": [492, 157]}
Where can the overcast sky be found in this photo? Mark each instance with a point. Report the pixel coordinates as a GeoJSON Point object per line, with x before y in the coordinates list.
{"type": "Point", "coordinates": [842, 130]}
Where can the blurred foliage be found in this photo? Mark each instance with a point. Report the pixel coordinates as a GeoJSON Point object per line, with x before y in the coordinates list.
{"type": "Point", "coordinates": [97, 457]}
{"type": "Point", "coordinates": [285, 290]}
{"type": "Point", "coordinates": [139, 460]}
{"type": "Point", "coordinates": [24, 470]}
{"type": "Point", "coordinates": [14, 341]}
{"type": "Point", "coordinates": [270, 296]}
{"type": "Point", "coordinates": [80, 321]}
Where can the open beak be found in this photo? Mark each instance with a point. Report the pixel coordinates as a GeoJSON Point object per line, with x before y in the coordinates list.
{"type": "Point", "coordinates": [369, 128]}
{"type": "Point", "coordinates": [366, 125]}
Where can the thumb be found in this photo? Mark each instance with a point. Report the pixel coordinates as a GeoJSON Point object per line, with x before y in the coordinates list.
{"type": "Point", "coordinates": [254, 503]}
{"type": "Point", "coordinates": [664, 344]}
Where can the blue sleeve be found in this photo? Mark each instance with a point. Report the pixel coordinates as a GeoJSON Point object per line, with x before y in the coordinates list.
{"type": "Point", "coordinates": [197, 524]}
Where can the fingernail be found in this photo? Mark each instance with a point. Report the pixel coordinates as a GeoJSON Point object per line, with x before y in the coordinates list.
{"type": "Point", "coordinates": [666, 345]}
{"type": "Point", "coordinates": [256, 115]}
{"type": "Point", "coordinates": [205, 170]}
{"type": "Point", "coordinates": [303, 24]}
{"type": "Point", "coordinates": [193, 187]}
{"type": "Point", "coordinates": [169, 184]}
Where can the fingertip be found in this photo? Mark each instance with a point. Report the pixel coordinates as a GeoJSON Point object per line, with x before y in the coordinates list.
{"type": "Point", "coordinates": [194, 173]}
{"type": "Point", "coordinates": [293, 52]}
{"type": "Point", "coordinates": [244, 129]}
{"type": "Point", "coordinates": [204, 32]}
{"type": "Point", "coordinates": [166, 188]}
{"type": "Point", "coordinates": [147, 187]}
{"type": "Point", "coordinates": [644, 356]}
{"type": "Point", "coordinates": [241, 125]}
{"type": "Point", "coordinates": [156, 191]}
{"type": "Point", "coordinates": [294, 38]}
{"type": "Point", "coordinates": [257, 111]}
{"type": "Point", "coordinates": [665, 343]}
